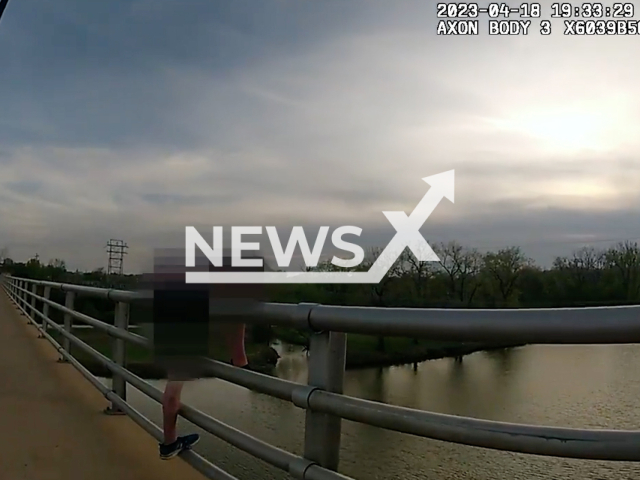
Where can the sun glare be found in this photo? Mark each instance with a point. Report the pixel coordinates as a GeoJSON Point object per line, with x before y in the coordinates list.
{"type": "Point", "coordinates": [566, 131]}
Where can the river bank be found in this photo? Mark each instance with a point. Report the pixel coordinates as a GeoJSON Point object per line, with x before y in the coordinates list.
{"type": "Point", "coordinates": [362, 352]}
{"type": "Point", "coordinates": [360, 360]}
{"type": "Point", "coordinates": [365, 351]}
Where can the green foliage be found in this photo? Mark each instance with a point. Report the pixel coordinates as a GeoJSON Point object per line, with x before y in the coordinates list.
{"type": "Point", "coordinates": [464, 278]}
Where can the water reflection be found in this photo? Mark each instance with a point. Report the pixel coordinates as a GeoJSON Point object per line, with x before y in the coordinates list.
{"type": "Point", "coordinates": [575, 386]}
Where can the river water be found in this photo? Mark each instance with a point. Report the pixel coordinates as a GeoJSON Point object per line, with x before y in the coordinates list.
{"type": "Point", "coordinates": [572, 386]}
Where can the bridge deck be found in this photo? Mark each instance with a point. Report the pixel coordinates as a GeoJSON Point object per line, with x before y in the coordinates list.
{"type": "Point", "coordinates": [51, 420]}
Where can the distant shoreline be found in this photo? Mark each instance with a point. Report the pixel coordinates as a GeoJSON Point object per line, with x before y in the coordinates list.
{"type": "Point", "coordinates": [357, 360]}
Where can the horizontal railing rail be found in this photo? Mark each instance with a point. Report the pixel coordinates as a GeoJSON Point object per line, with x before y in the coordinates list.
{"type": "Point", "coordinates": [322, 397]}
{"type": "Point", "coordinates": [585, 325]}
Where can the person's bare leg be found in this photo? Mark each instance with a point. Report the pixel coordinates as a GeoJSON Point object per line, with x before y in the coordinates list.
{"type": "Point", "coordinates": [170, 408]}
{"type": "Point", "coordinates": [173, 444]}
{"type": "Point", "coordinates": [234, 335]}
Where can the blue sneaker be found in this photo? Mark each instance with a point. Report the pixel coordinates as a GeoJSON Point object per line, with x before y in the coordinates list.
{"type": "Point", "coordinates": [182, 443]}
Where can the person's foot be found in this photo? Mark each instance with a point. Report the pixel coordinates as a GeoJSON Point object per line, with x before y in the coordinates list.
{"type": "Point", "coordinates": [182, 443]}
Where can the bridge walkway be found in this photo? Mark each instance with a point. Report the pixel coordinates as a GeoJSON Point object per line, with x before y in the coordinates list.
{"type": "Point", "coordinates": [53, 426]}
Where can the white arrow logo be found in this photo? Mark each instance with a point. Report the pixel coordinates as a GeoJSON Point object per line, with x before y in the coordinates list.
{"type": "Point", "coordinates": [407, 235]}
{"type": "Point", "coordinates": [408, 228]}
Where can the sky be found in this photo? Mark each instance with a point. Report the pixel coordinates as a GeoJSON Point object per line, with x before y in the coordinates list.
{"type": "Point", "coordinates": [132, 119]}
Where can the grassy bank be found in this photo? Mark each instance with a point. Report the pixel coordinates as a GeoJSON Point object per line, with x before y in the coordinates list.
{"type": "Point", "coordinates": [363, 351]}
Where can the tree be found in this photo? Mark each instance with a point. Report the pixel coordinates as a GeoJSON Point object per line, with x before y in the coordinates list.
{"type": "Point", "coordinates": [5, 261]}
{"type": "Point", "coordinates": [419, 272]}
{"type": "Point", "coordinates": [463, 278]}
{"type": "Point", "coordinates": [503, 270]}
{"type": "Point", "coordinates": [461, 267]}
{"type": "Point", "coordinates": [56, 270]}
{"type": "Point", "coordinates": [580, 275]}
{"type": "Point", "coordinates": [625, 259]}
{"type": "Point", "coordinates": [33, 269]}
{"type": "Point", "coordinates": [57, 263]}
{"type": "Point", "coordinates": [381, 290]}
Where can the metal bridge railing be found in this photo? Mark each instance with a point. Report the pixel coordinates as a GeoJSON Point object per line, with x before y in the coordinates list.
{"type": "Point", "coordinates": [322, 397]}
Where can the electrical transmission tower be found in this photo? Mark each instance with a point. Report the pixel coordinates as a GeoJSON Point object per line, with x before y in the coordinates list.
{"type": "Point", "coordinates": [116, 250]}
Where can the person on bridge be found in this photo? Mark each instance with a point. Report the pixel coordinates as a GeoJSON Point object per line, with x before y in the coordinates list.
{"type": "Point", "coordinates": [181, 346]}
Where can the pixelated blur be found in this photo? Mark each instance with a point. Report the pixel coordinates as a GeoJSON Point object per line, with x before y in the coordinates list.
{"type": "Point", "coordinates": [189, 319]}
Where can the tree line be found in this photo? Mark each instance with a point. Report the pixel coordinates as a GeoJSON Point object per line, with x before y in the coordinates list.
{"type": "Point", "coordinates": [507, 278]}
{"type": "Point", "coordinates": [463, 278]}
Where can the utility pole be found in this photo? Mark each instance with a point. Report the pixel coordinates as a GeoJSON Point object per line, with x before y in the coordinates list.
{"type": "Point", "coordinates": [116, 250]}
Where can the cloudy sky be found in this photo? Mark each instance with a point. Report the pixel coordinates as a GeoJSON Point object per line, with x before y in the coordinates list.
{"type": "Point", "coordinates": [130, 119]}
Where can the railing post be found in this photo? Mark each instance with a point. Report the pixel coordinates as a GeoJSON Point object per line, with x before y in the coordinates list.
{"type": "Point", "coordinates": [327, 355]}
{"type": "Point", "coordinates": [21, 295]}
{"type": "Point", "coordinates": [118, 383]}
{"type": "Point", "coordinates": [23, 298]}
{"type": "Point", "coordinates": [34, 292]}
{"type": "Point", "coordinates": [35, 309]}
{"type": "Point", "coordinates": [68, 323]}
{"type": "Point", "coordinates": [45, 309]}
